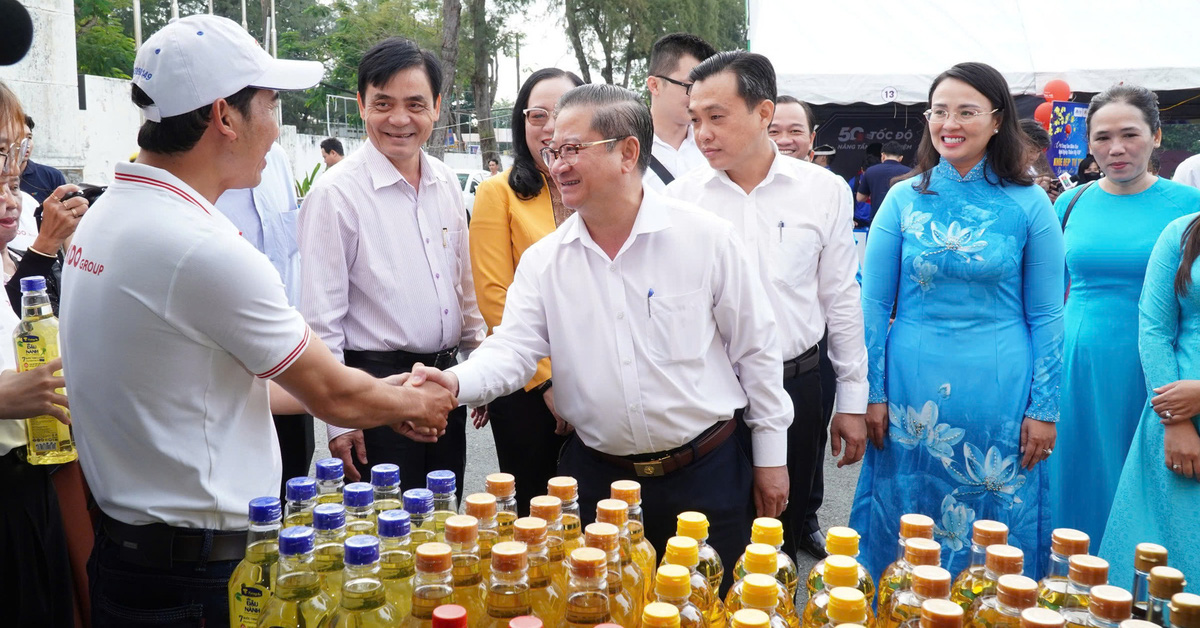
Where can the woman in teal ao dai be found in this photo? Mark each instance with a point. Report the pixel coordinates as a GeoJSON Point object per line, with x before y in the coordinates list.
{"type": "Point", "coordinates": [969, 371]}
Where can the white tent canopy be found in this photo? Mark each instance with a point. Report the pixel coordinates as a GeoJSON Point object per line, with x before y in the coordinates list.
{"type": "Point", "coordinates": [879, 51]}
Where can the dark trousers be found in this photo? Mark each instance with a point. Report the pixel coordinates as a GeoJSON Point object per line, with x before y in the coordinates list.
{"type": "Point", "coordinates": [720, 485]}
{"type": "Point", "coordinates": [35, 570]}
{"type": "Point", "coordinates": [526, 445]}
{"type": "Point", "coordinates": [414, 459]}
{"type": "Point", "coordinates": [816, 496]}
{"type": "Point", "coordinates": [295, 432]}
{"type": "Point", "coordinates": [805, 455]}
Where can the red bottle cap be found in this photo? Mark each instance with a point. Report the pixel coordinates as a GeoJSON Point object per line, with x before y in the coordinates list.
{"type": "Point", "coordinates": [449, 616]}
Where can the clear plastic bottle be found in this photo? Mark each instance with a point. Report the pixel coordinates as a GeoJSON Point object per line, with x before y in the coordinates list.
{"type": "Point", "coordinates": [760, 591]}
{"type": "Point", "coordinates": [928, 582]}
{"type": "Point", "coordinates": [695, 525]}
{"type": "Point", "coordinates": [841, 541]}
{"type": "Point", "coordinates": [504, 487]}
{"type": "Point", "coordinates": [917, 551]}
{"type": "Point", "coordinates": [419, 504]}
{"type": "Point", "coordinates": [1086, 572]}
{"type": "Point", "coordinates": [847, 606]}
{"type": "Point", "coordinates": [1064, 543]}
{"type": "Point", "coordinates": [624, 599]}
{"type": "Point", "coordinates": [644, 554]}
{"type": "Point", "coordinates": [359, 499]}
{"type": "Point", "coordinates": [1146, 556]}
{"type": "Point", "coordinates": [545, 596]}
{"type": "Point", "coordinates": [566, 489]}
{"type": "Point", "coordinates": [329, 520]}
{"type": "Point", "coordinates": [1185, 610]}
{"type": "Point", "coordinates": [984, 532]}
{"type": "Point", "coordinates": [770, 532]}
{"type": "Point", "coordinates": [508, 590]}
{"type": "Point", "coordinates": [470, 588]}
{"type": "Point", "coordinates": [482, 506]}
{"type": "Point", "coordinates": [1108, 606]}
{"type": "Point", "coordinates": [364, 602]}
{"type": "Point", "coordinates": [587, 589]}
{"type": "Point", "coordinates": [396, 564]}
{"type": "Point", "coordinates": [940, 614]}
{"type": "Point", "coordinates": [1165, 583]}
{"type": "Point", "coordinates": [673, 585]}
{"type": "Point", "coordinates": [615, 512]}
{"type": "Point", "coordinates": [385, 481]}
{"type": "Point", "coordinates": [685, 551]}
{"type": "Point", "coordinates": [444, 486]}
{"type": "Point", "coordinates": [331, 477]}
{"type": "Point", "coordinates": [660, 615]}
{"type": "Point", "coordinates": [1038, 617]}
{"type": "Point", "coordinates": [301, 494]}
{"type": "Point", "coordinates": [840, 572]}
{"type": "Point", "coordinates": [763, 559]}
{"type": "Point", "coordinates": [912, 526]}
{"type": "Point", "coordinates": [549, 509]}
{"type": "Point", "coordinates": [433, 585]}
{"type": "Point", "coordinates": [35, 341]}
{"type": "Point", "coordinates": [297, 600]}
{"type": "Point", "coordinates": [1014, 594]}
{"type": "Point", "coordinates": [1001, 559]}
{"type": "Point", "coordinates": [250, 584]}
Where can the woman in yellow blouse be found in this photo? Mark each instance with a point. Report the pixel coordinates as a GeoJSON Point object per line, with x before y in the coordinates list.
{"type": "Point", "coordinates": [512, 211]}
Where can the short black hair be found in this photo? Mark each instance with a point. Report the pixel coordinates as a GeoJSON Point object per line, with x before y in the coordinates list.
{"type": "Point", "coordinates": [179, 134]}
{"type": "Point", "coordinates": [808, 110]}
{"type": "Point", "coordinates": [666, 52]}
{"type": "Point", "coordinates": [392, 55]}
{"type": "Point", "coordinates": [755, 74]}
{"type": "Point", "coordinates": [892, 147]}
{"type": "Point", "coordinates": [29, 122]}
{"type": "Point", "coordinates": [1143, 99]}
{"type": "Point", "coordinates": [616, 113]}
{"type": "Point", "coordinates": [333, 145]}
{"type": "Point", "coordinates": [1036, 133]}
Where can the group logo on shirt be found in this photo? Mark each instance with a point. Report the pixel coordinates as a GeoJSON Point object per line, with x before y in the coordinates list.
{"type": "Point", "coordinates": [75, 258]}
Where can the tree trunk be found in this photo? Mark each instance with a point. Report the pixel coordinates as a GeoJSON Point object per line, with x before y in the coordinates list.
{"type": "Point", "coordinates": [573, 32]}
{"type": "Point", "coordinates": [483, 82]}
{"type": "Point", "coordinates": [451, 15]}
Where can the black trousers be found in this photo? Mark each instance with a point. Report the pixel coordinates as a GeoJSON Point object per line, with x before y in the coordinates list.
{"type": "Point", "coordinates": [720, 485]}
{"type": "Point", "coordinates": [526, 445]}
{"type": "Point", "coordinates": [295, 433]}
{"type": "Point", "coordinates": [35, 571]}
{"type": "Point", "coordinates": [806, 437]}
{"type": "Point", "coordinates": [414, 459]}
{"type": "Point", "coordinates": [816, 495]}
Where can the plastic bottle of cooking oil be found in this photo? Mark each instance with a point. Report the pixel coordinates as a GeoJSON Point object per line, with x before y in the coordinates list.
{"type": "Point", "coordinates": [918, 551]}
{"type": "Point", "coordinates": [504, 487]}
{"type": "Point", "coordinates": [329, 520]}
{"type": "Point", "coordinates": [359, 498]}
{"type": "Point", "coordinates": [984, 533]}
{"type": "Point", "coordinates": [396, 564]}
{"type": "Point", "coordinates": [364, 602]}
{"type": "Point", "coordinates": [841, 541]}
{"type": "Point", "coordinates": [587, 589]}
{"type": "Point", "coordinates": [615, 512]}
{"type": "Point", "coordinates": [624, 594]}
{"type": "Point", "coordinates": [841, 571]}
{"type": "Point", "coordinates": [545, 597]}
{"type": "Point", "coordinates": [769, 531]}
{"type": "Point", "coordinates": [444, 486]}
{"type": "Point", "coordinates": [764, 559]}
{"type": "Point", "coordinates": [644, 554]}
{"type": "Point", "coordinates": [385, 480]}
{"type": "Point", "coordinates": [549, 509]}
{"type": "Point", "coordinates": [331, 477]}
{"type": "Point", "coordinates": [928, 582]}
{"type": "Point", "coordinates": [673, 585]}
{"type": "Point", "coordinates": [433, 585]}
{"type": "Point", "coordinates": [36, 343]}
{"type": "Point", "coordinates": [508, 591]}
{"type": "Point", "coordinates": [1001, 559]}
{"type": "Point", "coordinates": [470, 589]}
{"type": "Point", "coordinates": [1086, 572]}
{"type": "Point", "coordinates": [1146, 556]}
{"type": "Point", "coordinates": [250, 584]}
{"type": "Point", "coordinates": [1064, 543]}
{"type": "Point", "coordinates": [685, 551]}
{"type": "Point", "coordinates": [301, 494]}
{"type": "Point", "coordinates": [1014, 594]}
{"type": "Point", "coordinates": [297, 600]}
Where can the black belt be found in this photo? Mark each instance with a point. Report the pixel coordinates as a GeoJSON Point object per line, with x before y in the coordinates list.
{"type": "Point", "coordinates": [159, 546]}
{"type": "Point", "coordinates": [807, 361]}
{"type": "Point", "coordinates": [403, 360]}
{"type": "Point", "coordinates": [667, 462]}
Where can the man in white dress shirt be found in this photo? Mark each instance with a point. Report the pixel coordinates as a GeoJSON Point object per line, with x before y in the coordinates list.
{"type": "Point", "coordinates": [674, 151]}
{"type": "Point", "coordinates": [795, 221]}
{"type": "Point", "coordinates": [385, 270]}
{"type": "Point", "coordinates": [662, 339]}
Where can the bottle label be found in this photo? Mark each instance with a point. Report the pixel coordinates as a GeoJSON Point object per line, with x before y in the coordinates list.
{"type": "Point", "coordinates": [249, 602]}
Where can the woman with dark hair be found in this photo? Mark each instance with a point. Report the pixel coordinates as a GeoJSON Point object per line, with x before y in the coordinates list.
{"type": "Point", "coordinates": [1109, 235]}
{"type": "Point", "coordinates": [964, 384]}
{"type": "Point", "coordinates": [1087, 170]}
{"type": "Point", "coordinates": [1158, 492]}
{"type": "Point", "coordinates": [512, 211]}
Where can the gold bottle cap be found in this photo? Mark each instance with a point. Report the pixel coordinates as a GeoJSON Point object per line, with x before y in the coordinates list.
{"type": "Point", "coordinates": [1185, 610]}
{"type": "Point", "coordinates": [1069, 542]}
{"type": "Point", "coordinates": [1087, 570]}
{"type": "Point", "coordinates": [1166, 582]}
{"type": "Point", "coordinates": [546, 507]}
{"type": "Point", "coordinates": [1147, 556]}
{"type": "Point", "coordinates": [693, 524]}
{"type": "Point", "coordinates": [433, 557]}
{"type": "Point", "coordinates": [509, 556]}
{"type": "Point", "coordinates": [846, 606]}
{"type": "Point", "coordinates": [767, 530]}
{"type": "Point", "coordinates": [941, 614]}
{"type": "Point", "coordinates": [463, 529]}
{"type": "Point", "coordinates": [501, 484]}
{"type": "Point", "coordinates": [603, 536]}
{"type": "Point", "coordinates": [480, 505]}
{"type": "Point", "coordinates": [760, 558]}
{"type": "Point", "coordinates": [1138, 623]}
{"type": "Point", "coordinates": [673, 581]}
{"type": "Point", "coordinates": [530, 530]}
{"type": "Point", "coordinates": [588, 562]}
{"type": "Point", "coordinates": [840, 571]}
{"type": "Point", "coordinates": [1041, 618]}
{"type": "Point", "coordinates": [922, 551]}
{"type": "Point", "coordinates": [931, 581]}
{"type": "Point", "coordinates": [1003, 559]}
{"type": "Point", "coordinates": [1016, 591]}
{"type": "Point", "coordinates": [563, 487]}
{"type": "Point", "coordinates": [627, 491]}
{"type": "Point", "coordinates": [751, 618]}
{"type": "Point", "coordinates": [914, 526]}
{"type": "Point", "coordinates": [682, 550]}
{"type": "Point", "coordinates": [985, 532]}
{"type": "Point", "coordinates": [1110, 603]}
{"type": "Point", "coordinates": [841, 540]}
{"type": "Point", "coordinates": [660, 615]}
{"type": "Point", "coordinates": [759, 590]}
{"type": "Point", "coordinates": [614, 511]}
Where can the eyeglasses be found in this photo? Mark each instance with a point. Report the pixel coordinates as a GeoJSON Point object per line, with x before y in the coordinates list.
{"type": "Point", "coordinates": [14, 157]}
{"type": "Point", "coordinates": [570, 152]}
{"type": "Point", "coordinates": [536, 116]}
{"type": "Point", "coordinates": [687, 87]}
{"type": "Point", "coordinates": [965, 116]}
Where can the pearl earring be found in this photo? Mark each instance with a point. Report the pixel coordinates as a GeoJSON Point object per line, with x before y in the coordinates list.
{"type": "Point", "coordinates": [995, 131]}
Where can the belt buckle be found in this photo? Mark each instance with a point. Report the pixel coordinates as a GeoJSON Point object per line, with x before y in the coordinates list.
{"type": "Point", "coordinates": [650, 468]}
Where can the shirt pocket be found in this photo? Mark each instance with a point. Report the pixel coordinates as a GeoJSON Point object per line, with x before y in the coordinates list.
{"type": "Point", "coordinates": [453, 241]}
{"type": "Point", "coordinates": [797, 250]}
{"type": "Point", "coordinates": [681, 326]}
{"type": "Point", "coordinates": [288, 240]}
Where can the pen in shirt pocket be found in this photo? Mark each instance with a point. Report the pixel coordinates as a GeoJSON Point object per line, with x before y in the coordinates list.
{"type": "Point", "coordinates": [446, 237]}
{"type": "Point", "coordinates": [648, 295]}
{"type": "Point", "coordinates": [781, 231]}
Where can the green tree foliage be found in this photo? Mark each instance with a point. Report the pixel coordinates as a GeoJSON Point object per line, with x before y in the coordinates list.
{"type": "Point", "coordinates": [101, 46]}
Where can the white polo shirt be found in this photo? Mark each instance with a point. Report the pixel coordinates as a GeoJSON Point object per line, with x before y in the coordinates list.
{"type": "Point", "coordinates": [171, 323]}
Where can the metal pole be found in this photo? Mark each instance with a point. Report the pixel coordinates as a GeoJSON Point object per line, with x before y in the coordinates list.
{"type": "Point", "coordinates": [137, 23]}
{"type": "Point", "coordinates": [245, 25]}
{"type": "Point", "coordinates": [274, 32]}
{"type": "Point", "coordinates": [210, 10]}
{"type": "Point", "coordinates": [174, 9]}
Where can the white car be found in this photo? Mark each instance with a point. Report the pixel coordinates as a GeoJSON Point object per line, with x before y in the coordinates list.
{"type": "Point", "coordinates": [468, 180]}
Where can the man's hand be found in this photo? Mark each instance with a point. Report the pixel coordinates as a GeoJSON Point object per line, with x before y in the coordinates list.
{"type": "Point", "coordinates": [423, 431]}
{"type": "Point", "coordinates": [770, 490]}
{"type": "Point", "coordinates": [1037, 441]}
{"type": "Point", "coordinates": [852, 429]}
{"type": "Point", "coordinates": [1177, 401]}
{"type": "Point", "coordinates": [479, 417]}
{"type": "Point", "coordinates": [32, 393]}
{"type": "Point", "coordinates": [877, 423]}
{"type": "Point", "coordinates": [342, 446]}
{"type": "Point", "coordinates": [561, 427]}
{"type": "Point", "coordinates": [445, 379]}
{"type": "Point", "coordinates": [1181, 447]}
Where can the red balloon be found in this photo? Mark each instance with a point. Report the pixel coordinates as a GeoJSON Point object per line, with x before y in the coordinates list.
{"type": "Point", "coordinates": [1043, 112]}
{"type": "Point", "coordinates": [1068, 129]}
{"type": "Point", "coordinates": [1056, 89]}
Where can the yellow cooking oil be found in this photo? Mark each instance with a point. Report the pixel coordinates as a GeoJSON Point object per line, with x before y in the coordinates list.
{"type": "Point", "coordinates": [841, 541]}
{"type": "Point", "coordinates": [251, 581]}
{"type": "Point", "coordinates": [36, 342]}
{"type": "Point", "coordinates": [433, 585]}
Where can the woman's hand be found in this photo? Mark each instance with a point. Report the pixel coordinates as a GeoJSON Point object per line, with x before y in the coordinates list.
{"type": "Point", "coordinates": [877, 423]}
{"type": "Point", "coordinates": [59, 219]}
{"type": "Point", "coordinates": [1178, 401]}
{"type": "Point", "coordinates": [1037, 442]}
{"type": "Point", "coordinates": [1181, 446]}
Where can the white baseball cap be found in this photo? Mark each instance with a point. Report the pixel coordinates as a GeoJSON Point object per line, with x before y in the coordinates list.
{"type": "Point", "coordinates": [196, 60]}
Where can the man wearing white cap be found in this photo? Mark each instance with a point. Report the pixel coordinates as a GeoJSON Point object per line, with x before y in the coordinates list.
{"type": "Point", "coordinates": [172, 327]}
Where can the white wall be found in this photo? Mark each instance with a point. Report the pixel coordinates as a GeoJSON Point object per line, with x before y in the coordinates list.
{"type": "Point", "coordinates": [109, 129]}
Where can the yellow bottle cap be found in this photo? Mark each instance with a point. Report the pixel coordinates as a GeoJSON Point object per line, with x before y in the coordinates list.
{"type": "Point", "coordinates": [660, 615]}
{"type": "Point", "coordinates": [480, 505]}
{"type": "Point", "coordinates": [693, 524]}
{"type": "Point", "coordinates": [433, 557]}
{"type": "Point", "coordinates": [546, 507]}
{"type": "Point", "coordinates": [1165, 582]}
{"type": "Point", "coordinates": [767, 530]}
{"type": "Point", "coordinates": [673, 581]}
{"type": "Point", "coordinates": [682, 550]}
{"type": "Point", "coordinates": [931, 581]}
{"type": "Point", "coordinates": [501, 484]}
{"type": "Point", "coordinates": [941, 614]}
{"type": "Point", "coordinates": [1147, 556]}
{"type": "Point", "coordinates": [915, 526]}
{"type": "Point", "coordinates": [1003, 559]}
{"type": "Point", "coordinates": [751, 618]}
{"type": "Point", "coordinates": [588, 562]}
{"type": "Point", "coordinates": [530, 530]}
{"type": "Point", "coordinates": [627, 491]}
{"type": "Point", "coordinates": [462, 529]}
{"type": "Point", "coordinates": [563, 487]}
{"type": "Point", "coordinates": [1069, 542]}
{"type": "Point", "coordinates": [841, 540]}
{"type": "Point", "coordinates": [846, 606]}
{"type": "Point", "coordinates": [760, 558]}
{"type": "Point", "coordinates": [603, 536]}
{"type": "Point", "coordinates": [840, 571]}
{"type": "Point", "coordinates": [985, 532]}
{"type": "Point", "coordinates": [1041, 618]}
{"type": "Point", "coordinates": [760, 590]}
{"type": "Point", "coordinates": [1087, 570]}
{"type": "Point", "coordinates": [1111, 603]}
{"type": "Point", "coordinates": [1016, 591]}
{"type": "Point", "coordinates": [509, 557]}
{"type": "Point", "coordinates": [614, 511]}
{"type": "Point", "coordinates": [922, 551]}
{"type": "Point", "coordinates": [1185, 610]}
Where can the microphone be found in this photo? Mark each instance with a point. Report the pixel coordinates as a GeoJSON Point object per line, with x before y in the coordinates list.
{"type": "Point", "coordinates": [16, 34]}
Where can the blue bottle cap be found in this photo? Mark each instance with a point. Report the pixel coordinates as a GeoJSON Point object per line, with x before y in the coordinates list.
{"type": "Point", "coordinates": [35, 283]}
{"type": "Point", "coordinates": [418, 501]}
{"type": "Point", "coordinates": [330, 469]}
{"type": "Point", "coordinates": [394, 523]}
{"type": "Point", "coordinates": [358, 494]}
{"type": "Point", "coordinates": [361, 549]}
{"type": "Point", "coordinates": [265, 510]}
{"type": "Point", "coordinates": [329, 516]}
{"type": "Point", "coordinates": [385, 475]}
{"type": "Point", "coordinates": [297, 540]}
{"type": "Point", "coordinates": [300, 489]}
{"type": "Point", "coordinates": [441, 482]}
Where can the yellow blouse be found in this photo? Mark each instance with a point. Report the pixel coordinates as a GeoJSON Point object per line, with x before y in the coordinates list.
{"type": "Point", "coordinates": [502, 227]}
